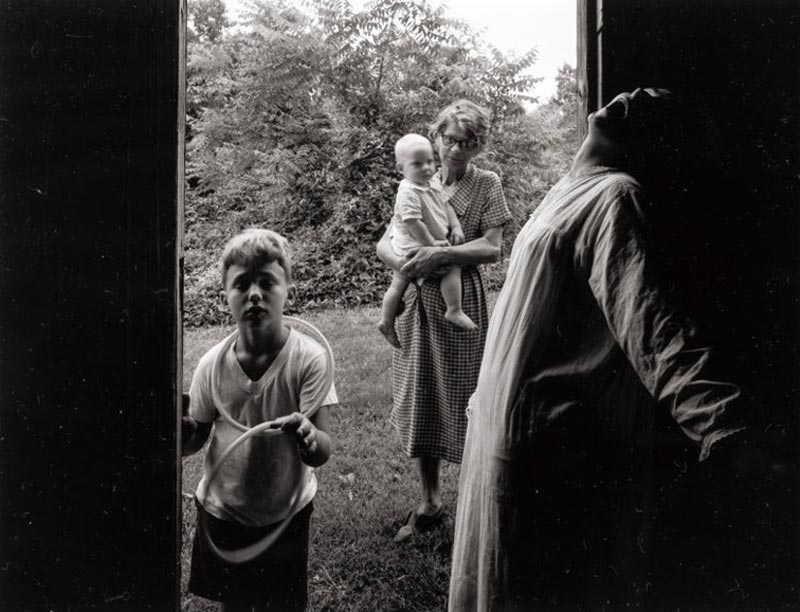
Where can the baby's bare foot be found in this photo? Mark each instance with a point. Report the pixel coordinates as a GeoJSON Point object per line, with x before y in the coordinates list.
{"type": "Point", "coordinates": [387, 329]}
{"type": "Point", "coordinates": [459, 319]}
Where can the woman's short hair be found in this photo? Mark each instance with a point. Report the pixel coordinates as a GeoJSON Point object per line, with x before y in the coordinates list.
{"type": "Point", "coordinates": [256, 246]}
{"type": "Point", "coordinates": [473, 119]}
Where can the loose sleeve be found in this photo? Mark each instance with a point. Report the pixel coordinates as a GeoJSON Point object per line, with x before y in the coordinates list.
{"type": "Point", "coordinates": [313, 385]}
{"type": "Point", "coordinates": [495, 210]}
{"type": "Point", "coordinates": [660, 344]}
{"type": "Point", "coordinates": [407, 204]}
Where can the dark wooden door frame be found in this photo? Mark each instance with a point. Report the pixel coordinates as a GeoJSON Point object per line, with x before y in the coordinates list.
{"type": "Point", "coordinates": [91, 146]}
{"type": "Point", "coordinates": [587, 65]}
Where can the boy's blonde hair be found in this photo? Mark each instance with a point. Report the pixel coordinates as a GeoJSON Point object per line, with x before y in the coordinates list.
{"type": "Point", "coordinates": [256, 246]}
{"type": "Point", "coordinates": [408, 142]}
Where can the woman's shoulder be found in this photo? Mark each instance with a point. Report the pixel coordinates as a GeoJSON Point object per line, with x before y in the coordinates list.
{"type": "Point", "coordinates": [623, 181]}
{"type": "Point", "coordinates": [623, 190]}
{"type": "Point", "coordinates": [618, 195]}
{"type": "Point", "coordinates": [485, 181]}
{"type": "Point", "coordinates": [484, 176]}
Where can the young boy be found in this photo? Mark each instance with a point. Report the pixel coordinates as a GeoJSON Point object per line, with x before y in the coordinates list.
{"type": "Point", "coordinates": [421, 218]}
{"type": "Point", "coordinates": [264, 371]}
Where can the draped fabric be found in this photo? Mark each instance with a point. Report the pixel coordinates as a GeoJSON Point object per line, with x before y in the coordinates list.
{"type": "Point", "coordinates": [582, 333]}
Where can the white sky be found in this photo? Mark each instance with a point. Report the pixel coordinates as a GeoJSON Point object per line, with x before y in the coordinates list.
{"type": "Point", "coordinates": [515, 26]}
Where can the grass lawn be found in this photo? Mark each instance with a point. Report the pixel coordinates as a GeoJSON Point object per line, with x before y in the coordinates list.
{"type": "Point", "coordinates": [365, 489]}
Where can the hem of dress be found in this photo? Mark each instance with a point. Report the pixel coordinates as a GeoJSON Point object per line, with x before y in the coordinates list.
{"type": "Point", "coordinates": [433, 453]}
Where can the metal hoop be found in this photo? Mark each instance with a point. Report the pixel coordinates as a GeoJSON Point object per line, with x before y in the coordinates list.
{"type": "Point", "coordinates": [250, 552]}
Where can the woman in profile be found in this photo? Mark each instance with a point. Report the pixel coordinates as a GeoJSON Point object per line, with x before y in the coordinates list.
{"type": "Point", "coordinates": [549, 514]}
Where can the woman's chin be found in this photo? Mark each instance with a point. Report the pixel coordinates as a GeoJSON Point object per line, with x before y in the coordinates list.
{"type": "Point", "coordinates": [456, 167]}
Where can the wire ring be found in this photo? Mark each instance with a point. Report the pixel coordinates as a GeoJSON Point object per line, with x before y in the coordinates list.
{"type": "Point", "coordinates": [250, 552]}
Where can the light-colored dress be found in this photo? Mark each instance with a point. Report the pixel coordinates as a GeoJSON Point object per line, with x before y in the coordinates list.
{"type": "Point", "coordinates": [582, 333]}
{"type": "Point", "coordinates": [435, 372]}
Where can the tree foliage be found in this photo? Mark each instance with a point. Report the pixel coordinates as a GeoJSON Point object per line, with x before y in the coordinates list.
{"type": "Point", "coordinates": [207, 20]}
{"type": "Point", "coordinates": [292, 116]}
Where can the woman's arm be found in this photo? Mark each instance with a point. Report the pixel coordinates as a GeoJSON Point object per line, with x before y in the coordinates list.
{"type": "Point", "coordinates": [426, 260]}
{"type": "Point", "coordinates": [662, 344]}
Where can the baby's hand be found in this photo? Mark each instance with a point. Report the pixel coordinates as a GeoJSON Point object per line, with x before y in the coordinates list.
{"type": "Point", "coordinates": [457, 235]}
{"type": "Point", "coordinates": [441, 243]}
{"type": "Point", "coordinates": [303, 430]}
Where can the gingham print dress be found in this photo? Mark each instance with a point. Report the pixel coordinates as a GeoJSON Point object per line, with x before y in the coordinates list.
{"type": "Point", "coordinates": [436, 371]}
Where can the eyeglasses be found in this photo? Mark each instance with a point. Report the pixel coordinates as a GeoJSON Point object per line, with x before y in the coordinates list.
{"type": "Point", "coordinates": [465, 144]}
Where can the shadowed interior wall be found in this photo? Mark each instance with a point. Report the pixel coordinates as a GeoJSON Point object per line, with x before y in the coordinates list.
{"type": "Point", "coordinates": [739, 62]}
{"type": "Point", "coordinates": [739, 58]}
{"type": "Point", "coordinates": [735, 248]}
{"type": "Point", "coordinates": [90, 120]}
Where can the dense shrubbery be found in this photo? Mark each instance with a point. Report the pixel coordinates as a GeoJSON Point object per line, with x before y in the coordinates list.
{"type": "Point", "coordinates": [292, 118]}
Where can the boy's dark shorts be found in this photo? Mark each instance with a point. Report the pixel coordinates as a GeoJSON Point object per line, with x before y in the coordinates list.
{"type": "Point", "coordinates": [278, 577]}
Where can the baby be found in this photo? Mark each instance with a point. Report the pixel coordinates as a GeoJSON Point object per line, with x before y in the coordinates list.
{"type": "Point", "coordinates": [421, 218]}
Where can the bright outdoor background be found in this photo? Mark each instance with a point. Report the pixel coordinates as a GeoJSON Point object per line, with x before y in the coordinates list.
{"type": "Point", "coordinates": [293, 112]}
{"type": "Point", "coordinates": [293, 108]}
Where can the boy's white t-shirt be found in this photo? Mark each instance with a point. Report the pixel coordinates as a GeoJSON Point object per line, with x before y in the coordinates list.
{"type": "Point", "coordinates": [416, 202]}
{"type": "Point", "coordinates": [256, 482]}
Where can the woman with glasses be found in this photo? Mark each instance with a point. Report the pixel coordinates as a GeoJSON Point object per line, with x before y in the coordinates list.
{"type": "Point", "coordinates": [435, 370]}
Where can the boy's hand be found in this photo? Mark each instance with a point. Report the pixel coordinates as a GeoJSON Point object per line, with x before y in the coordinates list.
{"type": "Point", "coordinates": [441, 243]}
{"type": "Point", "coordinates": [456, 235]}
{"type": "Point", "coordinates": [303, 430]}
{"type": "Point", "coordinates": [193, 433]}
{"type": "Point", "coordinates": [188, 424]}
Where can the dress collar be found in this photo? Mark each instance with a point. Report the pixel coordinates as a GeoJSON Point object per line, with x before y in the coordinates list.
{"type": "Point", "coordinates": [413, 185]}
{"type": "Point", "coordinates": [459, 191]}
{"type": "Point", "coordinates": [243, 380]}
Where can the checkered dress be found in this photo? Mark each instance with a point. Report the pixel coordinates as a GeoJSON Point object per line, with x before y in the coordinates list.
{"type": "Point", "coordinates": [436, 371]}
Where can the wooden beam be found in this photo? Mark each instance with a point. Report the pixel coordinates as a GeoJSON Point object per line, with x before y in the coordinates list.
{"type": "Point", "coordinates": [587, 68]}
